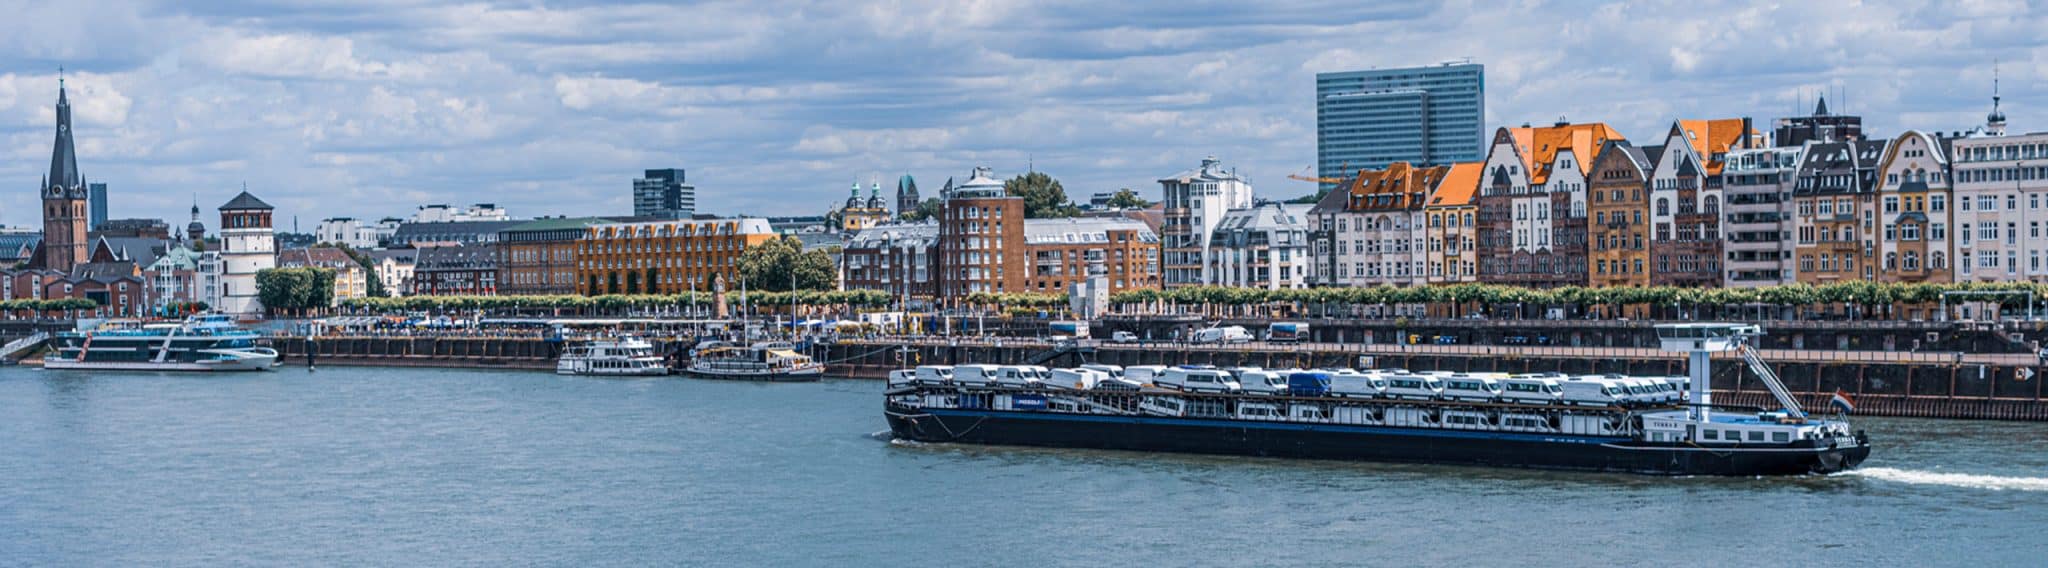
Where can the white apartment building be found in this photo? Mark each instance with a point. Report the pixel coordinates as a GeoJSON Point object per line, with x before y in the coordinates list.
{"type": "Point", "coordinates": [1195, 203]}
{"type": "Point", "coordinates": [444, 213]}
{"type": "Point", "coordinates": [1265, 246]}
{"type": "Point", "coordinates": [1758, 184]}
{"type": "Point", "coordinates": [2001, 203]}
{"type": "Point", "coordinates": [359, 235]}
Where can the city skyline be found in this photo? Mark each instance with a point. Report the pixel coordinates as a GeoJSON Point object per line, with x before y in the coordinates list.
{"type": "Point", "coordinates": [330, 111]}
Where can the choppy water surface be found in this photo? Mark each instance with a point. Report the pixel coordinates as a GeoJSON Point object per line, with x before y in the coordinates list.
{"type": "Point", "coordinates": [431, 467]}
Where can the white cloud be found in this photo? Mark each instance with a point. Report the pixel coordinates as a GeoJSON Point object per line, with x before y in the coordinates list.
{"type": "Point", "coordinates": [292, 56]}
{"type": "Point", "coordinates": [551, 109]}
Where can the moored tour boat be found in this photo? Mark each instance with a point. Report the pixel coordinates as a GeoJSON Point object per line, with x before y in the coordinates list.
{"type": "Point", "coordinates": [611, 357]}
{"type": "Point", "coordinates": [759, 362]}
{"type": "Point", "coordinates": [201, 343]}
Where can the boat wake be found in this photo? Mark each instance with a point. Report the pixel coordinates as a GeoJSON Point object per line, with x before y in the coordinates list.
{"type": "Point", "coordinates": [1965, 480]}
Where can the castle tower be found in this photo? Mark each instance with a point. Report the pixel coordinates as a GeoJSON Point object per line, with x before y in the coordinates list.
{"type": "Point", "coordinates": [64, 197]}
{"type": "Point", "coordinates": [247, 246]}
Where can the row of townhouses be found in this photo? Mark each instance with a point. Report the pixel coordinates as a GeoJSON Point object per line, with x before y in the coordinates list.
{"type": "Point", "coordinates": [1714, 202]}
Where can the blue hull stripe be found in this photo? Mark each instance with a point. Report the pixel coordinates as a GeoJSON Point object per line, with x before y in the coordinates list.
{"type": "Point", "coordinates": [1289, 426]}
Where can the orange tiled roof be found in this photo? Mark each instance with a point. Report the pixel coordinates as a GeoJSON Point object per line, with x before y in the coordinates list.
{"type": "Point", "coordinates": [1458, 185]}
{"type": "Point", "coordinates": [1400, 186]}
{"type": "Point", "coordinates": [1710, 138]}
{"type": "Point", "coordinates": [1541, 145]}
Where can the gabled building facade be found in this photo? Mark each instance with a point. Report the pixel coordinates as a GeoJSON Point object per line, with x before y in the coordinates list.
{"type": "Point", "coordinates": [1372, 231]}
{"type": "Point", "coordinates": [1532, 204]}
{"type": "Point", "coordinates": [1685, 196]}
{"type": "Point", "coordinates": [1834, 218]}
{"type": "Point", "coordinates": [1618, 200]}
{"type": "Point", "coordinates": [1453, 225]}
{"type": "Point", "coordinates": [1913, 210]}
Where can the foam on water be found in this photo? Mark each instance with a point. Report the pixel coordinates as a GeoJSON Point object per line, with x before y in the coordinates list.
{"type": "Point", "coordinates": [1965, 480]}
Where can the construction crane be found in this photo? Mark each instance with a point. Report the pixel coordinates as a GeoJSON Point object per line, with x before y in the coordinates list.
{"type": "Point", "coordinates": [1304, 175]}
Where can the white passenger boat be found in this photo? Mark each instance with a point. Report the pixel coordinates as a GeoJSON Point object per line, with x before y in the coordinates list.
{"type": "Point", "coordinates": [759, 362]}
{"type": "Point", "coordinates": [201, 343]}
{"type": "Point", "coordinates": [611, 357]}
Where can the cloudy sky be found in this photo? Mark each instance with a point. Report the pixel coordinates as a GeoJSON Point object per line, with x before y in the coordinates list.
{"type": "Point", "coordinates": [371, 107]}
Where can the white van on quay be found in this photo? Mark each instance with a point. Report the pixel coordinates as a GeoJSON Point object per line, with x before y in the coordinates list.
{"type": "Point", "coordinates": [1225, 334]}
{"type": "Point", "coordinates": [1197, 380]}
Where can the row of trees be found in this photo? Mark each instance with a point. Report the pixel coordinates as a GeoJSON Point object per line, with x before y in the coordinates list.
{"type": "Point", "coordinates": [615, 303]}
{"type": "Point", "coordinates": [1875, 298]}
{"type": "Point", "coordinates": [43, 308]}
{"type": "Point", "coordinates": [295, 291]}
{"type": "Point", "coordinates": [1872, 299]}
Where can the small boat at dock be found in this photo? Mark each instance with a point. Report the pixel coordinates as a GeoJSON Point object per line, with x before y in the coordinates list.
{"type": "Point", "coordinates": [777, 362]}
{"type": "Point", "coordinates": [611, 357]}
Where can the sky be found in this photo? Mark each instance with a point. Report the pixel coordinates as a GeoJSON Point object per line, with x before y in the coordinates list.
{"type": "Point", "coordinates": [370, 108]}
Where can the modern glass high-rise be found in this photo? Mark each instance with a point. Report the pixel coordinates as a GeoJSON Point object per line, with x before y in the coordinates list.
{"type": "Point", "coordinates": [1430, 115]}
{"type": "Point", "coordinates": [96, 205]}
{"type": "Point", "coordinates": [663, 194]}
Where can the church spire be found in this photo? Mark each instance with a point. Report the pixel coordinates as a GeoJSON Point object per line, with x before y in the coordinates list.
{"type": "Point", "coordinates": [1994, 123]}
{"type": "Point", "coordinates": [63, 158]}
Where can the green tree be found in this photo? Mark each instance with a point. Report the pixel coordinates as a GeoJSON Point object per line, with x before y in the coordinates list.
{"type": "Point", "coordinates": [927, 209]}
{"type": "Point", "coordinates": [1127, 199]}
{"type": "Point", "coordinates": [295, 291]}
{"type": "Point", "coordinates": [1044, 198]}
{"type": "Point", "coordinates": [768, 266]}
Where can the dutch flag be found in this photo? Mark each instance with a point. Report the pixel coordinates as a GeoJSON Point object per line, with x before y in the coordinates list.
{"type": "Point", "coordinates": [1841, 401]}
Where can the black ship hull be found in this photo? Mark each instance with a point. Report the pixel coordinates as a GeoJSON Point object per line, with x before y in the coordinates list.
{"type": "Point", "coordinates": [1362, 443]}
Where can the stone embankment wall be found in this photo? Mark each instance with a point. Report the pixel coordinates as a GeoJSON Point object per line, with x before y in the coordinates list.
{"type": "Point", "coordinates": [485, 352]}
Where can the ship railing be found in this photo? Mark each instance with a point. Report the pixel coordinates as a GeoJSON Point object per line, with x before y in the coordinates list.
{"type": "Point", "coordinates": [1770, 379]}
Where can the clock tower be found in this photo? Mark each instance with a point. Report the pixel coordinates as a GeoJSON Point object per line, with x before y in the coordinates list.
{"type": "Point", "coordinates": [64, 195]}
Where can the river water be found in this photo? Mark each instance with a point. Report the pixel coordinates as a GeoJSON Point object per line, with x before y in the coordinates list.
{"type": "Point", "coordinates": [435, 467]}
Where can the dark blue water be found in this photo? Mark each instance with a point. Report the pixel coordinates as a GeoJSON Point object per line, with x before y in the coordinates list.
{"type": "Point", "coordinates": [427, 467]}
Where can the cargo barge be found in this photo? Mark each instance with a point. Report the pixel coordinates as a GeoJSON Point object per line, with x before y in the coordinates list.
{"type": "Point", "coordinates": [1391, 416]}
